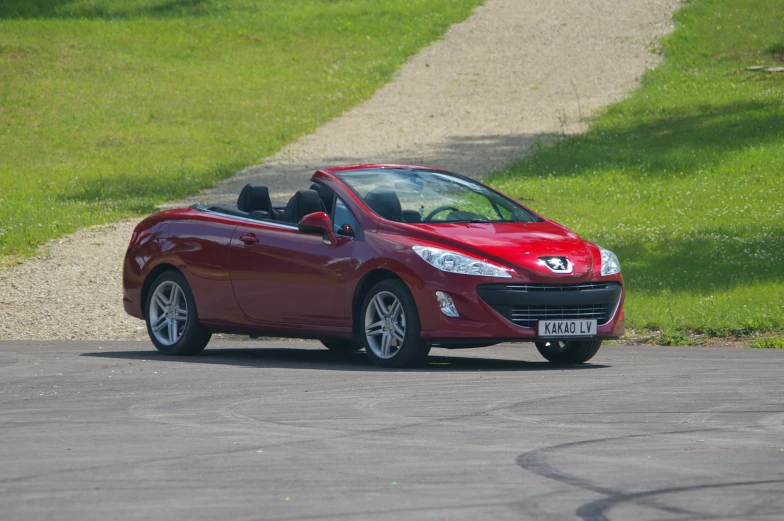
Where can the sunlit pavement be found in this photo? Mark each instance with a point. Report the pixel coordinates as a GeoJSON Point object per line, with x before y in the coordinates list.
{"type": "Point", "coordinates": [289, 430]}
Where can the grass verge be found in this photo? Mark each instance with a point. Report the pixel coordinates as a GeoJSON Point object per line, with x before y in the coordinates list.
{"type": "Point", "coordinates": [685, 179]}
{"type": "Point", "coordinates": [769, 343]}
{"type": "Point", "coordinates": [108, 108]}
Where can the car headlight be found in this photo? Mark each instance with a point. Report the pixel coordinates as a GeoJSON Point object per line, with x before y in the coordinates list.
{"type": "Point", "coordinates": [610, 264]}
{"type": "Point", "coordinates": [454, 262]}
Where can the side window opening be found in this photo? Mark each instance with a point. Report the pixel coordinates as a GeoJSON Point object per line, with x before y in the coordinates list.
{"type": "Point", "coordinates": [342, 216]}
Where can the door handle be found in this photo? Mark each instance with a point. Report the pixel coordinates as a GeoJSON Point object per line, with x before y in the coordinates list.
{"type": "Point", "coordinates": [249, 239]}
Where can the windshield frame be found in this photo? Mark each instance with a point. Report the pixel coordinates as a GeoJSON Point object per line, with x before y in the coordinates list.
{"type": "Point", "coordinates": [344, 176]}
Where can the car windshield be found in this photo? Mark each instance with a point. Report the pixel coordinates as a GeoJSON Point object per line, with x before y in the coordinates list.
{"type": "Point", "coordinates": [414, 195]}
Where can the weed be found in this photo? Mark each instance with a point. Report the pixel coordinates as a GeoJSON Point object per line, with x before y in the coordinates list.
{"type": "Point", "coordinates": [672, 338]}
{"type": "Point", "coordinates": [768, 343]}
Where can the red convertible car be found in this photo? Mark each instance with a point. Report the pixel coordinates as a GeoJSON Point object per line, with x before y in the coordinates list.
{"type": "Point", "coordinates": [391, 259]}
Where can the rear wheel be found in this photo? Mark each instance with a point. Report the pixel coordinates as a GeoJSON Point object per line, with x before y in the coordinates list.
{"type": "Point", "coordinates": [571, 352]}
{"type": "Point", "coordinates": [172, 319]}
{"type": "Point", "coordinates": [389, 326]}
{"type": "Point", "coordinates": [342, 346]}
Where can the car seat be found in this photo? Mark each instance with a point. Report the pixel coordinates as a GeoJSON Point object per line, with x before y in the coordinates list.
{"type": "Point", "coordinates": [327, 195]}
{"type": "Point", "coordinates": [303, 203]}
{"type": "Point", "coordinates": [384, 201]}
{"type": "Point", "coordinates": [255, 198]}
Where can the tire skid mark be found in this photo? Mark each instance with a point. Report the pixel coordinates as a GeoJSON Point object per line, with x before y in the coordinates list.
{"type": "Point", "coordinates": [594, 511]}
{"type": "Point", "coordinates": [704, 415]}
{"type": "Point", "coordinates": [536, 462]}
{"type": "Point", "coordinates": [136, 411]}
{"type": "Point", "coordinates": [234, 411]}
{"type": "Point", "coordinates": [251, 449]}
{"type": "Point", "coordinates": [366, 514]}
{"type": "Point", "coordinates": [239, 424]}
{"type": "Point", "coordinates": [774, 418]}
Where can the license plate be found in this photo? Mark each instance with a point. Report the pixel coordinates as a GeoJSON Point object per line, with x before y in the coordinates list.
{"type": "Point", "coordinates": [566, 328]}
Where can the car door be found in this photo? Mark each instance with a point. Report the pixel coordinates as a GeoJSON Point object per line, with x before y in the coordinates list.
{"type": "Point", "coordinates": [284, 276]}
{"type": "Point", "coordinates": [201, 243]}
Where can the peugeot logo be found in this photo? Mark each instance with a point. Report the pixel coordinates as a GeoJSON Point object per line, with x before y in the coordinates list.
{"type": "Point", "coordinates": [557, 264]}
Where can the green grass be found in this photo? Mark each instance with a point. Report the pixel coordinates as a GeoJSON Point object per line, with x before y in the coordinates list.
{"type": "Point", "coordinates": [685, 179]}
{"type": "Point", "coordinates": [674, 338]}
{"type": "Point", "coordinates": [768, 343]}
{"type": "Point", "coordinates": [108, 108]}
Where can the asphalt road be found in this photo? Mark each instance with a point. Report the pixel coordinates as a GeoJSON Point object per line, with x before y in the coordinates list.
{"type": "Point", "coordinates": [92, 430]}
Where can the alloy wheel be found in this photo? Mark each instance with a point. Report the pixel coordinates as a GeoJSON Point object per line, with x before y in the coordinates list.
{"type": "Point", "coordinates": [168, 313]}
{"type": "Point", "coordinates": [385, 325]}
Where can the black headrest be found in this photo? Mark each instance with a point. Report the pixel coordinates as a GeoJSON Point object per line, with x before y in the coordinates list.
{"type": "Point", "coordinates": [326, 194]}
{"type": "Point", "coordinates": [254, 197]}
{"type": "Point", "coordinates": [411, 216]}
{"type": "Point", "coordinates": [384, 201]}
{"type": "Point", "coordinates": [303, 203]}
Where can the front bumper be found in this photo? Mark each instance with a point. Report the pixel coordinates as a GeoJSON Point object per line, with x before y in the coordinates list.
{"type": "Point", "coordinates": [511, 311]}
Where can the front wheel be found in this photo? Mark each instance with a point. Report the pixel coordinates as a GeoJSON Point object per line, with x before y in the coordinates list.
{"type": "Point", "coordinates": [172, 320]}
{"type": "Point", "coordinates": [389, 327]}
{"type": "Point", "coordinates": [572, 352]}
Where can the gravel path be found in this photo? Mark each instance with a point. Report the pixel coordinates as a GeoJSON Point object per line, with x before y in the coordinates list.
{"type": "Point", "coordinates": [512, 74]}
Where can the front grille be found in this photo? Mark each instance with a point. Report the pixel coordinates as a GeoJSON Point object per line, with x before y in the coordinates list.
{"type": "Point", "coordinates": [527, 316]}
{"type": "Point", "coordinates": [525, 304]}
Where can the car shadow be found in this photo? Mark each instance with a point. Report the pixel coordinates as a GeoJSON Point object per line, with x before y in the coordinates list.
{"type": "Point", "coordinates": [295, 358]}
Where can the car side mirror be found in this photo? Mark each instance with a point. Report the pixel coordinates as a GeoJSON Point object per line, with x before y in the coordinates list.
{"type": "Point", "coordinates": [346, 230]}
{"type": "Point", "coordinates": [318, 222]}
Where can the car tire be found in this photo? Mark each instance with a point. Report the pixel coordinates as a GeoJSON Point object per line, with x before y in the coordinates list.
{"type": "Point", "coordinates": [174, 328]}
{"type": "Point", "coordinates": [572, 352]}
{"type": "Point", "coordinates": [389, 326]}
{"type": "Point", "coordinates": [342, 346]}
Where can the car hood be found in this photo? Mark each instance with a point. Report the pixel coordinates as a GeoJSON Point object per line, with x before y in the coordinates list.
{"type": "Point", "coordinates": [517, 245]}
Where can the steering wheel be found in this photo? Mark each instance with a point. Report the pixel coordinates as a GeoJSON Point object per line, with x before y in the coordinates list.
{"type": "Point", "coordinates": [439, 210]}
